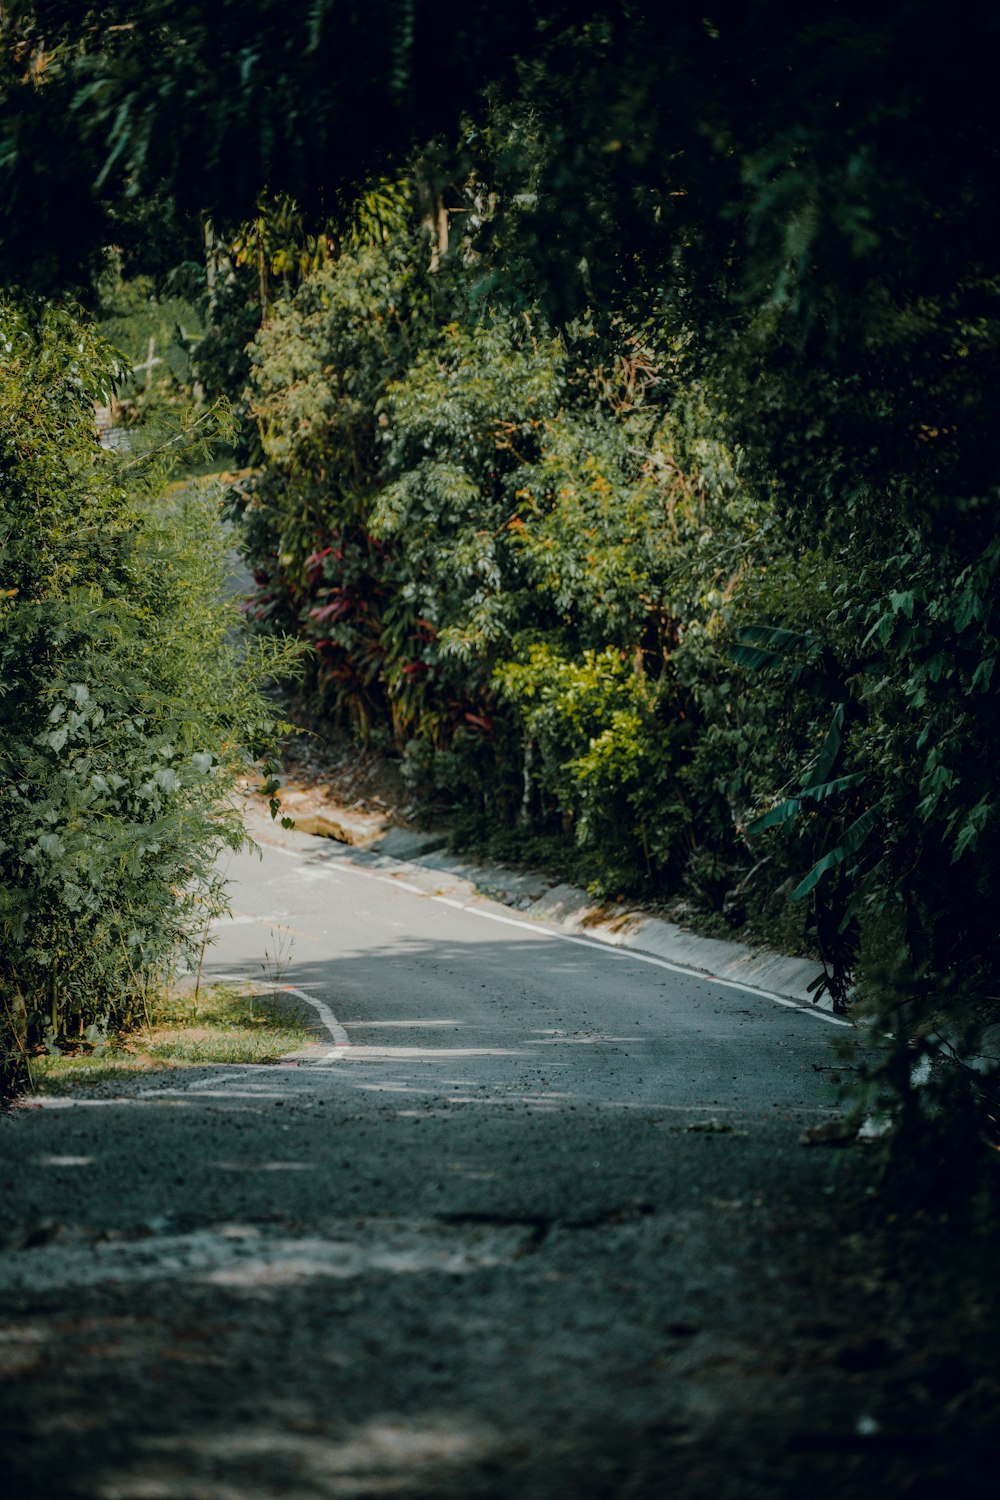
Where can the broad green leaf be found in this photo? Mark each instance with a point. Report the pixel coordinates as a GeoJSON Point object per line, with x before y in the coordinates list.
{"type": "Point", "coordinates": [784, 812]}
{"type": "Point", "coordinates": [849, 844]}
{"type": "Point", "coordinates": [830, 749]}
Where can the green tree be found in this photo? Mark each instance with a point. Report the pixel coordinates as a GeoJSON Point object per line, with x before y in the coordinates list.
{"type": "Point", "coordinates": [794, 205]}
{"type": "Point", "coordinates": [126, 713]}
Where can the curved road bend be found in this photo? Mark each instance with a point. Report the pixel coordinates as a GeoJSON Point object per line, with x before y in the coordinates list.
{"type": "Point", "coordinates": [530, 1221]}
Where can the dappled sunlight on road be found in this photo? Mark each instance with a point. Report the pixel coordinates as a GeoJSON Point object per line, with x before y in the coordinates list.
{"type": "Point", "coordinates": [385, 1456]}
{"type": "Point", "coordinates": [592, 1040]}
{"type": "Point", "coordinates": [431, 1054]}
{"type": "Point", "coordinates": [262, 1166]}
{"type": "Point", "coordinates": [411, 1023]}
{"type": "Point", "coordinates": [246, 1257]}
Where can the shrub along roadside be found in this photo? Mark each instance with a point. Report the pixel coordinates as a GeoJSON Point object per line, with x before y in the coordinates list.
{"type": "Point", "coordinates": [502, 572]}
{"type": "Point", "coordinates": [586, 616]}
{"type": "Point", "coordinates": [127, 706]}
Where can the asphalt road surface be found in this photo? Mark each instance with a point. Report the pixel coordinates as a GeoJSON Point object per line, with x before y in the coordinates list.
{"type": "Point", "coordinates": [531, 1220]}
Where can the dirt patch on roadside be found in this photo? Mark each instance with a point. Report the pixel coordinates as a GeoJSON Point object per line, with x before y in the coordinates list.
{"type": "Point", "coordinates": [611, 918]}
{"type": "Point", "coordinates": [338, 773]}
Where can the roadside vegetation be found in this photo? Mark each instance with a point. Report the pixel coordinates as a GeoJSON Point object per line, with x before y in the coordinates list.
{"type": "Point", "coordinates": [128, 708]}
{"type": "Point", "coordinates": [182, 1028]}
{"type": "Point", "coordinates": [617, 437]}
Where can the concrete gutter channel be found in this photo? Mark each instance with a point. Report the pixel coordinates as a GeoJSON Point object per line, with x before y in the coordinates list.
{"type": "Point", "coordinates": [407, 853]}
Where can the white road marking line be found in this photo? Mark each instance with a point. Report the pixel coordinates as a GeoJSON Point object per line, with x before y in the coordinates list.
{"type": "Point", "coordinates": [610, 950]}
{"type": "Point", "coordinates": [350, 869]}
{"type": "Point", "coordinates": [329, 1020]}
{"type": "Point", "coordinates": [607, 949]}
{"type": "Point", "coordinates": [744, 989]}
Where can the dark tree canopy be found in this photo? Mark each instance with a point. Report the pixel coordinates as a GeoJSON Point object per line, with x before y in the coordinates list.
{"type": "Point", "coordinates": [797, 148]}
{"type": "Point", "coordinates": [213, 104]}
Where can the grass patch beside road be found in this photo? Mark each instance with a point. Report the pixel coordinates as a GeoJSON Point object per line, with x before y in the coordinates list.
{"type": "Point", "coordinates": [225, 1024]}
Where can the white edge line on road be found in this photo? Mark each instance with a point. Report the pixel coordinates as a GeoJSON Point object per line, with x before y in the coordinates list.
{"type": "Point", "coordinates": [607, 949]}
{"type": "Point", "coordinates": [337, 1033]}
{"type": "Point", "coordinates": [648, 958]}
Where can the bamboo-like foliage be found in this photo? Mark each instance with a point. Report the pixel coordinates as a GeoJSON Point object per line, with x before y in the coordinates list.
{"type": "Point", "coordinates": [127, 710]}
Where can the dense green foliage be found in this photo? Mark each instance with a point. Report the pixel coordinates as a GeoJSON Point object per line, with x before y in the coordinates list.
{"type": "Point", "coordinates": [115, 99]}
{"type": "Point", "coordinates": [527, 557]}
{"type": "Point", "coordinates": [157, 335]}
{"type": "Point", "coordinates": [660, 506]}
{"type": "Point", "coordinates": [495, 568]}
{"type": "Point", "coordinates": [126, 711]}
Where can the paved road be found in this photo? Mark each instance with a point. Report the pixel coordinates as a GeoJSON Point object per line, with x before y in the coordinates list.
{"type": "Point", "coordinates": [531, 1221]}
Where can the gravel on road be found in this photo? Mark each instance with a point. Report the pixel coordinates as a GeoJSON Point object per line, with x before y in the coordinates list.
{"type": "Point", "coordinates": [533, 1221]}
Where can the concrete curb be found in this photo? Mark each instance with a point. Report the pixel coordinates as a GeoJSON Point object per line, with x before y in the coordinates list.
{"type": "Point", "coordinates": [575, 911]}
{"type": "Point", "coordinates": [536, 898]}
